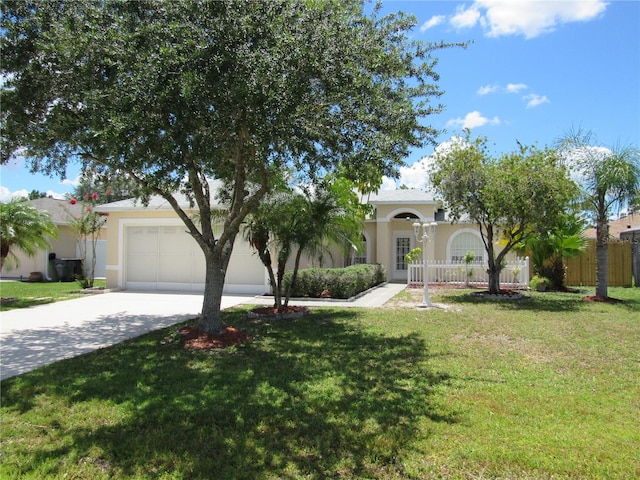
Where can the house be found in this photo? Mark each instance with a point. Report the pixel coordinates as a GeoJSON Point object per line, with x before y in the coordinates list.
{"type": "Point", "coordinates": [148, 247]}
{"type": "Point", "coordinates": [65, 246]}
{"type": "Point", "coordinates": [616, 227]}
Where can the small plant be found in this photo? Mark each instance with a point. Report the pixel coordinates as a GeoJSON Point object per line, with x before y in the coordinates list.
{"type": "Point", "coordinates": [539, 283]}
{"type": "Point", "coordinates": [515, 271]}
{"type": "Point", "coordinates": [468, 258]}
{"type": "Point", "coordinates": [413, 255]}
{"type": "Point", "coordinates": [86, 230]}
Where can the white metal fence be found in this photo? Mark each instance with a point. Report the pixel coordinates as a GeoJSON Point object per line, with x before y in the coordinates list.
{"type": "Point", "coordinates": [514, 275]}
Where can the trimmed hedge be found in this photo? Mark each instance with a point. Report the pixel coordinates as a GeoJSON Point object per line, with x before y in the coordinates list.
{"type": "Point", "coordinates": [335, 282]}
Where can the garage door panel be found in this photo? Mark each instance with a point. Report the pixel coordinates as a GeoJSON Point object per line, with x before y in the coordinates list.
{"type": "Point", "coordinates": [166, 257]}
{"type": "Point", "coordinates": [142, 268]}
{"type": "Point", "coordinates": [142, 240]}
{"type": "Point", "coordinates": [174, 240]}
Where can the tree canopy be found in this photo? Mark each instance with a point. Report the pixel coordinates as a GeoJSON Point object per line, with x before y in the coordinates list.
{"type": "Point", "coordinates": [510, 197]}
{"type": "Point", "coordinates": [175, 94]}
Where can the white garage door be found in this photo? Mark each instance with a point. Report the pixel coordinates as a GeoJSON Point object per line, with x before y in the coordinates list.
{"type": "Point", "coordinates": [166, 257]}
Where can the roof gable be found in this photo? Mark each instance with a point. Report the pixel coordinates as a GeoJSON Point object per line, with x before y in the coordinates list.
{"type": "Point", "coordinates": [402, 196]}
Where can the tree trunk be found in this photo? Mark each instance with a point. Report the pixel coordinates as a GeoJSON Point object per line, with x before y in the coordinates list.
{"type": "Point", "coordinates": [216, 263]}
{"type": "Point", "coordinates": [602, 258]}
{"type": "Point", "coordinates": [494, 277]}
{"type": "Point", "coordinates": [294, 277]}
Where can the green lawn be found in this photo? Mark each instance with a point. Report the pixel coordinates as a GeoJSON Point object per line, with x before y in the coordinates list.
{"type": "Point", "coordinates": [544, 388]}
{"type": "Point", "coordinates": [28, 294]}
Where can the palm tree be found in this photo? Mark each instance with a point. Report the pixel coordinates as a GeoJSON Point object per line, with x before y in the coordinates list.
{"type": "Point", "coordinates": [610, 180]}
{"type": "Point", "coordinates": [23, 227]}
{"type": "Point", "coordinates": [304, 223]}
{"type": "Point", "coordinates": [330, 215]}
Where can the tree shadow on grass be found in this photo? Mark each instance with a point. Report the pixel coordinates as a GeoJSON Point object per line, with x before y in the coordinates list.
{"type": "Point", "coordinates": [565, 302]}
{"type": "Point", "coordinates": [314, 397]}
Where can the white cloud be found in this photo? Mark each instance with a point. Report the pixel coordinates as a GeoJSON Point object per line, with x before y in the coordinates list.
{"type": "Point", "coordinates": [465, 18]}
{"type": "Point", "coordinates": [472, 120]}
{"type": "Point", "coordinates": [417, 174]}
{"type": "Point", "coordinates": [579, 160]}
{"type": "Point", "coordinates": [533, 100]}
{"type": "Point", "coordinates": [74, 183]}
{"type": "Point", "coordinates": [432, 22]}
{"type": "Point", "coordinates": [6, 194]}
{"type": "Point", "coordinates": [510, 88]}
{"type": "Point", "coordinates": [56, 195]}
{"type": "Point", "coordinates": [487, 89]}
{"type": "Point", "coordinates": [529, 18]}
{"type": "Point", "coordinates": [516, 87]}
{"type": "Point", "coordinates": [388, 183]}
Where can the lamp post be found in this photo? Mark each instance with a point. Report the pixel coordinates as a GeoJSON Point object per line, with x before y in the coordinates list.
{"type": "Point", "coordinates": [428, 232]}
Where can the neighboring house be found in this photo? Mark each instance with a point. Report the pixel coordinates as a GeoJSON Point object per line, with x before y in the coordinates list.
{"type": "Point", "coordinates": [149, 247]}
{"type": "Point", "coordinates": [616, 227]}
{"type": "Point", "coordinates": [65, 246]}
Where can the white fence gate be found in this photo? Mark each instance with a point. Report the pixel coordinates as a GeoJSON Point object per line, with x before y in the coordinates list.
{"type": "Point", "coordinates": [514, 275]}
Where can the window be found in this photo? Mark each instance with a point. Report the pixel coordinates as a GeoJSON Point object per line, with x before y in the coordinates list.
{"type": "Point", "coordinates": [403, 246]}
{"type": "Point", "coordinates": [360, 256]}
{"type": "Point", "coordinates": [464, 242]}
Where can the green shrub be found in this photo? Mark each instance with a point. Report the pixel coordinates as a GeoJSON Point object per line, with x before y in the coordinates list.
{"type": "Point", "coordinates": [539, 283]}
{"type": "Point", "coordinates": [335, 282]}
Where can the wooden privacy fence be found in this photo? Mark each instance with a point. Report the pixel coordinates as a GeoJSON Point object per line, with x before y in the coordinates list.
{"type": "Point", "coordinates": [582, 270]}
{"type": "Point", "coordinates": [514, 275]}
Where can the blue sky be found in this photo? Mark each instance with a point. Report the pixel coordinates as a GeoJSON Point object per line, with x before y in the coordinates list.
{"type": "Point", "coordinates": [535, 70]}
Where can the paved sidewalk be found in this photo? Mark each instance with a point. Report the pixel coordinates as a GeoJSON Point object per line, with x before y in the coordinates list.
{"type": "Point", "coordinates": [33, 337]}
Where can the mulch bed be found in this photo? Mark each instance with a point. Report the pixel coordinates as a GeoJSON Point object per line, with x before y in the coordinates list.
{"type": "Point", "coordinates": [499, 295]}
{"type": "Point", "coordinates": [599, 298]}
{"type": "Point", "coordinates": [194, 339]}
{"type": "Point", "coordinates": [288, 310]}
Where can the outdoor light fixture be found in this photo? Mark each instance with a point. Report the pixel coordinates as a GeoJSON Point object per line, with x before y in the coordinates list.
{"type": "Point", "coordinates": [428, 232]}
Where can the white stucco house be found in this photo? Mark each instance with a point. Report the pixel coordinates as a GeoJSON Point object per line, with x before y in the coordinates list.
{"type": "Point", "coordinates": [148, 247]}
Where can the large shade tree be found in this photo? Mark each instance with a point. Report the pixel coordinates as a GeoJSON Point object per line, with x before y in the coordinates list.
{"type": "Point", "coordinates": [610, 180]}
{"type": "Point", "coordinates": [23, 228]}
{"type": "Point", "coordinates": [176, 94]}
{"type": "Point", "coordinates": [510, 197]}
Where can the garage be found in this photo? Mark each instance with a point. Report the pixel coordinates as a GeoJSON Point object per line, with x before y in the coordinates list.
{"type": "Point", "coordinates": [166, 257]}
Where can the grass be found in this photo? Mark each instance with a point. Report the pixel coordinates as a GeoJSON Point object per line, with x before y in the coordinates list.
{"type": "Point", "coordinates": [544, 388]}
{"type": "Point", "coordinates": [30, 294]}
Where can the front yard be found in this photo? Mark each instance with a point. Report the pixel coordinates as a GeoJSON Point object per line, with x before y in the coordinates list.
{"type": "Point", "coordinates": [545, 388]}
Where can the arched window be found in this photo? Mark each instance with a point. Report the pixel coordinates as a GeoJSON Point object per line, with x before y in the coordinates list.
{"type": "Point", "coordinates": [463, 242]}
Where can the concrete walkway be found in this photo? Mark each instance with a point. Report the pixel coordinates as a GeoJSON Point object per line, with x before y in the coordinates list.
{"type": "Point", "coordinates": [33, 337]}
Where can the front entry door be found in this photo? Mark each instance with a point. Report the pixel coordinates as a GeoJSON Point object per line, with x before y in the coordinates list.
{"type": "Point", "coordinates": [402, 244]}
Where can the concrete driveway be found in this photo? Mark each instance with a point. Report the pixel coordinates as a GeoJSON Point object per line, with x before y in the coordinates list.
{"type": "Point", "coordinates": [33, 337]}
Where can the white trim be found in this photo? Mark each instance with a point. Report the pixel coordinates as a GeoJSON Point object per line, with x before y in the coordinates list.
{"type": "Point", "coordinates": [367, 239]}
{"type": "Point", "coordinates": [414, 211]}
{"type": "Point", "coordinates": [455, 234]}
{"type": "Point", "coordinates": [400, 274]}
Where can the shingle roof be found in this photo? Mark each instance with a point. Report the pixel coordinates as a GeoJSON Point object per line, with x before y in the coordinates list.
{"type": "Point", "coordinates": [401, 196]}
{"type": "Point", "coordinates": [60, 211]}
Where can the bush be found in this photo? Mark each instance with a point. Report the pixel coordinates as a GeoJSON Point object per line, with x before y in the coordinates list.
{"type": "Point", "coordinates": [539, 284]}
{"type": "Point", "coordinates": [335, 282]}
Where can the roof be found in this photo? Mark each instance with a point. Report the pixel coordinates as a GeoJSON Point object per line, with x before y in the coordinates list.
{"type": "Point", "coordinates": [156, 202]}
{"type": "Point", "coordinates": [616, 227]}
{"type": "Point", "coordinates": [402, 196]}
{"type": "Point", "coordinates": [60, 211]}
